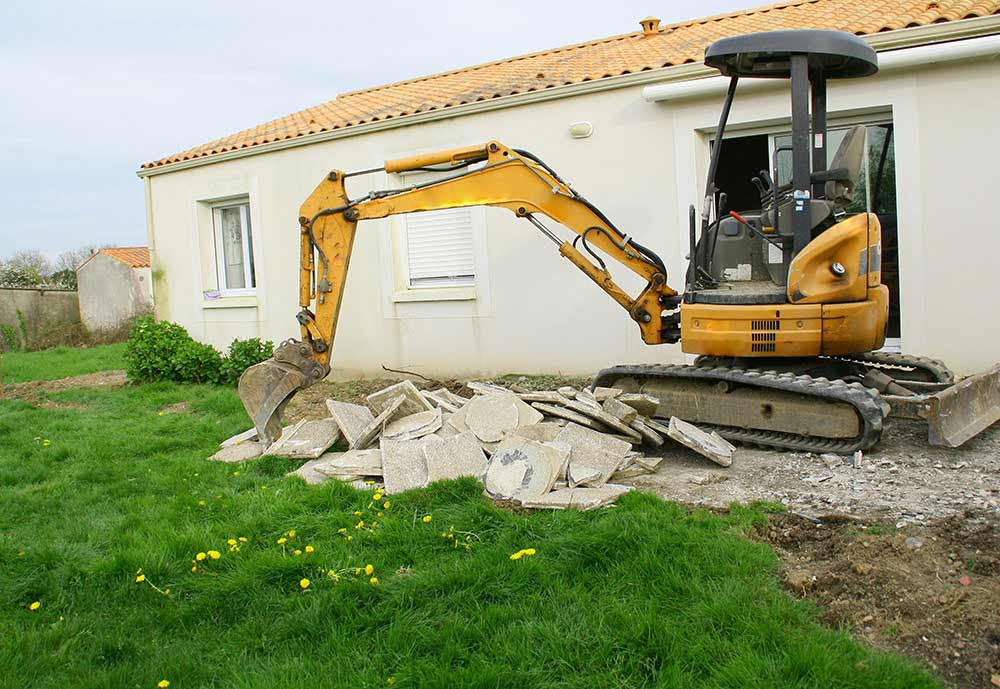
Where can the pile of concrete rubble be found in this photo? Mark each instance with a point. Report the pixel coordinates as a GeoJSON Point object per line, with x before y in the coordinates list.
{"type": "Point", "coordinates": [550, 449]}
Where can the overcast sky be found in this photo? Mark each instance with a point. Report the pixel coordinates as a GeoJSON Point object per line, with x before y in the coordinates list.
{"type": "Point", "coordinates": [91, 90]}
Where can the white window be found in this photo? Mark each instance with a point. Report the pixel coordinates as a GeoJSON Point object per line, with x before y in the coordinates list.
{"type": "Point", "coordinates": [439, 248]}
{"type": "Point", "coordinates": [234, 248]}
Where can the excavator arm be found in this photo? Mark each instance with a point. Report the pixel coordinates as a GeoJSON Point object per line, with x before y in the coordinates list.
{"type": "Point", "coordinates": [487, 175]}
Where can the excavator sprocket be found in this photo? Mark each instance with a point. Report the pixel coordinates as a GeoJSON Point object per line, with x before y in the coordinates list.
{"type": "Point", "coordinates": [780, 410]}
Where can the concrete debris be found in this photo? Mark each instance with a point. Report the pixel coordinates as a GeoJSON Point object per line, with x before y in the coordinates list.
{"type": "Point", "coordinates": [587, 397]}
{"type": "Point", "coordinates": [619, 410]}
{"type": "Point", "coordinates": [547, 396]}
{"type": "Point", "coordinates": [372, 430]}
{"type": "Point", "coordinates": [309, 472]}
{"type": "Point", "coordinates": [404, 464]}
{"type": "Point", "coordinates": [490, 417]}
{"type": "Point", "coordinates": [576, 436]}
{"type": "Point", "coordinates": [568, 391]}
{"type": "Point", "coordinates": [568, 414]}
{"type": "Point", "coordinates": [578, 498]}
{"type": "Point", "coordinates": [487, 389]}
{"type": "Point", "coordinates": [522, 471]}
{"type": "Point", "coordinates": [413, 426]}
{"type": "Point", "coordinates": [604, 394]}
{"type": "Point", "coordinates": [595, 412]}
{"type": "Point", "coordinates": [412, 403]}
{"type": "Point", "coordinates": [631, 471]}
{"type": "Point", "coordinates": [243, 437]}
{"type": "Point", "coordinates": [351, 463]}
{"type": "Point", "coordinates": [459, 455]}
{"type": "Point", "coordinates": [543, 432]}
{"type": "Point", "coordinates": [580, 475]}
{"type": "Point", "coordinates": [306, 439]}
{"type": "Point", "coordinates": [440, 402]}
{"type": "Point", "coordinates": [641, 402]}
{"type": "Point", "coordinates": [239, 452]}
{"type": "Point", "coordinates": [352, 419]}
{"type": "Point", "coordinates": [710, 445]}
{"type": "Point", "coordinates": [647, 433]}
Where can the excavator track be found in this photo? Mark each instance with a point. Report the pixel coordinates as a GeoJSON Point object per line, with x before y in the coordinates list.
{"type": "Point", "coordinates": [904, 367]}
{"type": "Point", "coordinates": [718, 381]}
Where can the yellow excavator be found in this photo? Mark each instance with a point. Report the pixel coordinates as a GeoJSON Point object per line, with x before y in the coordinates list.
{"type": "Point", "coordinates": [784, 306]}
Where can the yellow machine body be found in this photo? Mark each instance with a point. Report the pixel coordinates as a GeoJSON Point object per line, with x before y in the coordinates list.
{"type": "Point", "coordinates": [829, 311]}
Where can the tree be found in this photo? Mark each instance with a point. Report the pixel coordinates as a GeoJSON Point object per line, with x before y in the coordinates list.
{"type": "Point", "coordinates": [71, 260]}
{"type": "Point", "coordinates": [30, 262]}
{"type": "Point", "coordinates": [65, 278]}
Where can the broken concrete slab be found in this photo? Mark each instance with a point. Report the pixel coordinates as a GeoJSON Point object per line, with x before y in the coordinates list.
{"type": "Point", "coordinates": [351, 463]}
{"type": "Point", "coordinates": [587, 397]}
{"type": "Point", "coordinates": [547, 396]}
{"type": "Point", "coordinates": [457, 420]}
{"type": "Point", "coordinates": [490, 417]}
{"type": "Point", "coordinates": [243, 437]}
{"type": "Point", "coordinates": [598, 414]}
{"type": "Point", "coordinates": [581, 475]}
{"type": "Point", "coordinates": [240, 452]}
{"type": "Point", "coordinates": [710, 445]}
{"type": "Point", "coordinates": [457, 400]}
{"type": "Point", "coordinates": [352, 419]}
{"type": "Point", "coordinates": [310, 474]}
{"type": "Point", "coordinates": [306, 439]}
{"type": "Point", "coordinates": [413, 402]}
{"type": "Point", "coordinates": [631, 471]}
{"type": "Point", "coordinates": [596, 459]}
{"type": "Point", "coordinates": [372, 430]}
{"type": "Point", "coordinates": [649, 463]}
{"type": "Point", "coordinates": [404, 465]}
{"type": "Point", "coordinates": [521, 471]}
{"type": "Point", "coordinates": [568, 414]}
{"type": "Point", "coordinates": [641, 402]}
{"type": "Point", "coordinates": [439, 402]}
{"type": "Point", "coordinates": [578, 498]}
{"type": "Point", "coordinates": [413, 426]}
{"type": "Point", "coordinates": [604, 394]}
{"type": "Point", "coordinates": [481, 388]}
{"type": "Point", "coordinates": [594, 449]}
{"type": "Point", "coordinates": [648, 434]}
{"type": "Point", "coordinates": [459, 455]}
{"type": "Point", "coordinates": [447, 430]}
{"type": "Point", "coordinates": [660, 428]}
{"type": "Point", "coordinates": [568, 391]}
{"type": "Point", "coordinates": [543, 432]}
{"type": "Point", "coordinates": [619, 410]}
{"type": "Point", "coordinates": [526, 414]}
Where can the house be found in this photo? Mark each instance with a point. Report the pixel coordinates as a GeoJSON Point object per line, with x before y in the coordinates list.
{"type": "Point", "coordinates": [629, 120]}
{"type": "Point", "coordinates": [114, 286]}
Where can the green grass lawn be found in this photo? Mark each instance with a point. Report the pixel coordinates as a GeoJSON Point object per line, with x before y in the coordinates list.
{"type": "Point", "coordinates": [100, 485]}
{"type": "Point", "coordinates": [60, 362]}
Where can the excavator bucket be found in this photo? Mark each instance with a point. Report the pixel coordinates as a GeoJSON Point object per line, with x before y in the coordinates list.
{"type": "Point", "coordinates": [265, 389]}
{"type": "Point", "coordinates": [957, 412]}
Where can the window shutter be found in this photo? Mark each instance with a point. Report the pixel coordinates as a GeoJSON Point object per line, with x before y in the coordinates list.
{"type": "Point", "coordinates": [439, 248]}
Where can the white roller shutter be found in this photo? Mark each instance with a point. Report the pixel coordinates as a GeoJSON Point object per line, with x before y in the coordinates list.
{"type": "Point", "coordinates": [439, 248]}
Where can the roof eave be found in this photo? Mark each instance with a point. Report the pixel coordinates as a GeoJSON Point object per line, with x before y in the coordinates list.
{"type": "Point", "coordinates": [887, 40]}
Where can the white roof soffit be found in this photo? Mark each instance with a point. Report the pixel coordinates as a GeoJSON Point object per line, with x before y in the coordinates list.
{"type": "Point", "coordinates": [888, 61]}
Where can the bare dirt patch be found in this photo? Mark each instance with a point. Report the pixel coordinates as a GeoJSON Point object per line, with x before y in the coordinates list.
{"type": "Point", "coordinates": [32, 391]}
{"type": "Point", "coordinates": [931, 592]}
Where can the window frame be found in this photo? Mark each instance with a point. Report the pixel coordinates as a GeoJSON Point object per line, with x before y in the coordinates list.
{"type": "Point", "coordinates": [446, 283]}
{"type": "Point", "coordinates": [249, 264]}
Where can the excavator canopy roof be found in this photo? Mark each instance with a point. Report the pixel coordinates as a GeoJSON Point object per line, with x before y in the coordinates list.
{"type": "Point", "coordinates": [837, 54]}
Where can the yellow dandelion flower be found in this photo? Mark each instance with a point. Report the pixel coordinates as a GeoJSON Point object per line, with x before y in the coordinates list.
{"type": "Point", "coordinates": [46, 443]}
{"type": "Point", "coordinates": [377, 497]}
{"type": "Point", "coordinates": [378, 514]}
{"type": "Point", "coordinates": [201, 503]}
{"type": "Point", "coordinates": [194, 568]}
{"type": "Point", "coordinates": [140, 578]}
{"type": "Point", "coordinates": [296, 552]}
{"type": "Point", "coordinates": [529, 551]}
{"type": "Point", "coordinates": [357, 513]}
{"type": "Point", "coordinates": [427, 518]}
{"type": "Point", "coordinates": [159, 414]}
{"type": "Point", "coordinates": [518, 555]}
{"type": "Point", "coordinates": [282, 540]}
{"type": "Point", "coordinates": [200, 556]}
{"type": "Point", "coordinates": [373, 581]}
{"type": "Point", "coordinates": [309, 549]}
{"type": "Point", "coordinates": [341, 531]}
{"type": "Point", "coordinates": [357, 571]}
{"type": "Point", "coordinates": [34, 606]}
{"type": "Point", "coordinates": [231, 541]}
{"type": "Point", "coordinates": [391, 680]}
{"type": "Point", "coordinates": [360, 524]}
{"type": "Point", "coordinates": [291, 534]}
{"type": "Point", "coordinates": [166, 592]}
{"type": "Point", "coordinates": [214, 554]}
{"type": "Point", "coordinates": [236, 473]}
{"type": "Point", "coordinates": [304, 583]}
{"type": "Point", "coordinates": [369, 569]}
{"type": "Point", "coordinates": [386, 504]}
{"type": "Point", "coordinates": [243, 539]}
{"type": "Point", "coordinates": [350, 538]}
{"type": "Point", "coordinates": [38, 437]}
{"type": "Point", "coordinates": [163, 683]}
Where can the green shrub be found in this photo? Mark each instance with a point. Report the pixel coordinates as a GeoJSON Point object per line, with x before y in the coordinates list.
{"type": "Point", "coordinates": [242, 355]}
{"type": "Point", "coordinates": [161, 350]}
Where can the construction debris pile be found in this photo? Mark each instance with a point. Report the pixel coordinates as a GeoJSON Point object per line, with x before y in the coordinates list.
{"type": "Point", "coordinates": [549, 449]}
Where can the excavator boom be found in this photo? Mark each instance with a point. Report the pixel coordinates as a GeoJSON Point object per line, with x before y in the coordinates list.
{"type": "Point", "coordinates": [487, 175]}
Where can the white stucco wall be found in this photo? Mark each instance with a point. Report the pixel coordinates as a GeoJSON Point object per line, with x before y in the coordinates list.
{"type": "Point", "coordinates": [643, 165]}
{"type": "Point", "coordinates": [111, 292]}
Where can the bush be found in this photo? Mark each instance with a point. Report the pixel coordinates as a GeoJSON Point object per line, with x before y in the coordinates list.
{"type": "Point", "coordinates": [242, 355]}
{"type": "Point", "coordinates": [165, 351]}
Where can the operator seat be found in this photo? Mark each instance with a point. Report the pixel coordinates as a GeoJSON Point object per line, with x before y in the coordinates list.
{"type": "Point", "coordinates": [847, 160]}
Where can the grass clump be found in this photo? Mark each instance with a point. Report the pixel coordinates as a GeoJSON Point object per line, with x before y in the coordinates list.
{"type": "Point", "coordinates": [60, 362]}
{"type": "Point", "coordinates": [107, 503]}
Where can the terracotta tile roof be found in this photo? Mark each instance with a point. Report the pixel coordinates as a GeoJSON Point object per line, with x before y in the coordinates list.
{"type": "Point", "coordinates": [671, 45]}
{"type": "Point", "coordinates": [132, 256]}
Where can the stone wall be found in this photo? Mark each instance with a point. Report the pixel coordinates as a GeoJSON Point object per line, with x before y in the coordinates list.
{"type": "Point", "coordinates": [49, 317]}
